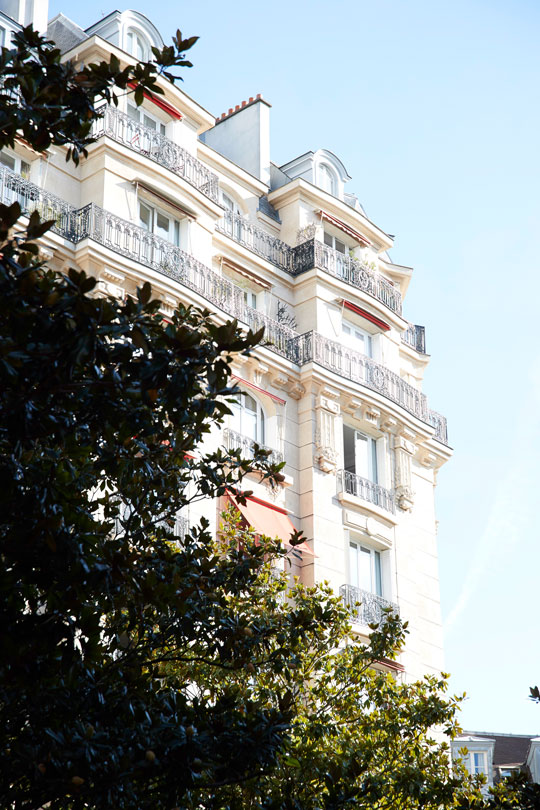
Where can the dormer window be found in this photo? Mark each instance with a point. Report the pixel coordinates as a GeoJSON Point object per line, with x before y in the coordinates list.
{"type": "Point", "coordinates": [327, 179]}
{"type": "Point", "coordinates": [136, 45]}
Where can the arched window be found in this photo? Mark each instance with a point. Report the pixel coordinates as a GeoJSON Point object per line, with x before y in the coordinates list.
{"type": "Point", "coordinates": [248, 418]}
{"type": "Point", "coordinates": [136, 45]}
{"type": "Point", "coordinates": [327, 179]}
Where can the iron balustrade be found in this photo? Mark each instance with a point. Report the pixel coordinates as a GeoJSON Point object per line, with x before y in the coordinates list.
{"type": "Point", "coordinates": [236, 441]}
{"type": "Point", "coordinates": [415, 336]}
{"type": "Point", "coordinates": [365, 489]}
{"type": "Point", "coordinates": [136, 243]}
{"type": "Point", "coordinates": [14, 188]}
{"type": "Point", "coordinates": [357, 367]}
{"type": "Point", "coordinates": [366, 607]}
{"type": "Point", "coordinates": [257, 240]}
{"type": "Point", "coordinates": [152, 144]}
{"type": "Point", "coordinates": [352, 271]}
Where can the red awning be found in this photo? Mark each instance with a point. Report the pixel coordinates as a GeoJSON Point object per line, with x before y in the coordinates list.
{"type": "Point", "coordinates": [268, 519]}
{"type": "Point", "coordinates": [258, 389]}
{"type": "Point", "coordinates": [160, 102]}
{"type": "Point", "coordinates": [367, 315]}
{"type": "Point", "coordinates": [345, 228]}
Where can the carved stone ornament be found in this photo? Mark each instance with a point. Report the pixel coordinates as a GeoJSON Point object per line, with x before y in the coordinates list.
{"type": "Point", "coordinates": [405, 498]}
{"type": "Point", "coordinates": [326, 458]}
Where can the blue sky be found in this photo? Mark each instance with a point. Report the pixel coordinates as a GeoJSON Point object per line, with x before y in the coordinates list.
{"type": "Point", "coordinates": [433, 108]}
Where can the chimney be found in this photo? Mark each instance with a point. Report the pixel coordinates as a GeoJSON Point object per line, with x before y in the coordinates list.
{"type": "Point", "coordinates": [243, 135]}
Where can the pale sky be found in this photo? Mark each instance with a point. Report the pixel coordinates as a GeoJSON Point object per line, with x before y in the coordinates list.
{"type": "Point", "coordinates": [433, 109]}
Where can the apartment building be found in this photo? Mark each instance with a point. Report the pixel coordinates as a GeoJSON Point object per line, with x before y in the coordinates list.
{"type": "Point", "coordinates": [192, 203]}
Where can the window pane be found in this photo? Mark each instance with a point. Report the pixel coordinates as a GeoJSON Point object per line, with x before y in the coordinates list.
{"type": "Point", "coordinates": [377, 573]}
{"type": "Point", "coordinates": [149, 122]}
{"type": "Point", "coordinates": [145, 216]}
{"type": "Point", "coordinates": [361, 455]}
{"type": "Point", "coordinates": [373, 473]}
{"type": "Point", "coordinates": [162, 223]}
{"type": "Point", "coordinates": [340, 247]}
{"type": "Point", "coordinates": [328, 240]}
{"type": "Point", "coordinates": [133, 112]}
{"type": "Point", "coordinates": [7, 160]}
{"type": "Point", "coordinates": [348, 449]}
{"type": "Point", "coordinates": [250, 404]}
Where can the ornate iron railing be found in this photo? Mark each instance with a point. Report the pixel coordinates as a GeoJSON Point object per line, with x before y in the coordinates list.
{"type": "Point", "coordinates": [256, 239]}
{"type": "Point", "coordinates": [439, 422]}
{"type": "Point", "coordinates": [365, 489]}
{"type": "Point", "coordinates": [14, 188]}
{"type": "Point", "coordinates": [138, 244]}
{"type": "Point", "coordinates": [153, 251]}
{"type": "Point", "coordinates": [146, 141]}
{"type": "Point", "coordinates": [415, 336]}
{"type": "Point", "coordinates": [357, 367]}
{"type": "Point", "coordinates": [236, 441]}
{"type": "Point", "coordinates": [365, 607]}
{"type": "Point", "coordinates": [352, 271]}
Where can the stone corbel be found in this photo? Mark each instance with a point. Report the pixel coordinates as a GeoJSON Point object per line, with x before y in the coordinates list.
{"type": "Point", "coordinates": [259, 373]}
{"type": "Point", "coordinates": [294, 389]}
{"type": "Point", "coordinates": [404, 449]}
{"type": "Point", "coordinates": [351, 404]}
{"type": "Point", "coordinates": [327, 416]}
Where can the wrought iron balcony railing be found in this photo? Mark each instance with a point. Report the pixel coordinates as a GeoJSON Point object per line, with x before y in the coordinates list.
{"type": "Point", "coordinates": [365, 489]}
{"type": "Point", "coordinates": [415, 336]}
{"type": "Point", "coordinates": [352, 271]}
{"type": "Point", "coordinates": [257, 240]}
{"type": "Point", "coordinates": [136, 243]}
{"type": "Point", "coordinates": [236, 441]}
{"type": "Point", "coordinates": [357, 367]}
{"type": "Point", "coordinates": [366, 607]}
{"type": "Point", "coordinates": [152, 144]}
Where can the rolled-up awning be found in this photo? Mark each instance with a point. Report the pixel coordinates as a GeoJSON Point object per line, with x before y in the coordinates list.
{"type": "Point", "coordinates": [269, 520]}
{"type": "Point", "coordinates": [358, 237]}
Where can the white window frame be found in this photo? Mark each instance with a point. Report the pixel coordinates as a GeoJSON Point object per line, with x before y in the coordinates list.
{"type": "Point", "coordinates": [356, 338]}
{"type": "Point", "coordinates": [336, 243]}
{"type": "Point", "coordinates": [328, 180]}
{"type": "Point", "coordinates": [371, 473]}
{"type": "Point", "coordinates": [141, 116]}
{"type": "Point", "coordinates": [142, 40]}
{"type": "Point", "coordinates": [20, 166]}
{"type": "Point", "coordinates": [356, 548]}
{"type": "Point", "coordinates": [239, 420]}
{"type": "Point", "coordinates": [475, 769]}
{"type": "Point", "coordinates": [153, 225]}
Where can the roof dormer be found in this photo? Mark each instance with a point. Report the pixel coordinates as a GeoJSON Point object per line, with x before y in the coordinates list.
{"type": "Point", "coordinates": [129, 30]}
{"type": "Point", "coordinates": [322, 168]}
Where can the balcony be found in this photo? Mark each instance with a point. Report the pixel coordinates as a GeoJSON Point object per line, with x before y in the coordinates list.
{"type": "Point", "coordinates": [415, 336]}
{"type": "Point", "coordinates": [352, 271]}
{"type": "Point", "coordinates": [257, 240]}
{"type": "Point", "coordinates": [148, 142]}
{"type": "Point", "coordinates": [236, 441]}
{"type": "Point", "coordinates": [366, 490]}
{"type": "Point", "coordinates": [361, 369]}
{"type": "Point", "coordinates": [133, 242]}
{"type": "Point", "coordinates": [365, 607]}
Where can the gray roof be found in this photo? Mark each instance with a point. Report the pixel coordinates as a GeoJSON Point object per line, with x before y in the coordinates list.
{"type": "Point", "coordinates": [269, 210]}
{"type": "Point", "coordinates": [65, 33]}
{"type": "Point", "coordinates": [510, 749]}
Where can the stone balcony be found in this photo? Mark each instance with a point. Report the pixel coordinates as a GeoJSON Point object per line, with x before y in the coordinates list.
{"type": "Point", "coordinates": [148, 142]}
{"type": "Point", "coordinates": [365, 607]}
{"type": "Point", "coordinates": [137, 244]}
{"type": "Point", "coordinates": [236, 441]}
{"type": "Point", "coordinates": [366, 490]}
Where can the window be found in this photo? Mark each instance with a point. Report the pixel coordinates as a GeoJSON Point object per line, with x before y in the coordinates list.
{"type": "Point", "coordinates": [357, 338]}
{"type": "Point", "coordinates": [2, 37]}
{"type": "Point", "coordinates": [505, 773]}
{"type": "Point", "coordinates": [141, 116]}
{"type": "Point", "coordinates": [158, 222]}
{"type": "Point", "coordinates": [365, 568]}
{"type": "Point", "coordinates": [11, 161]}
{"type": "Point", "coordinates": [248, 418]}
{"type": "Point", "coordinates": [136, 45]}
{"type": "Point", "coordinates": [327, 179]}
{"type": "Point", "coordinates": [478, 762]}
{"type": "Point", "coordinates": [360, 454]}
{"type": "Point", "coordinates": [230, 204]}
{"type": "Point", "coordinates": [250, 299]}
{"type": "Point", "coordinates": [334, 242]}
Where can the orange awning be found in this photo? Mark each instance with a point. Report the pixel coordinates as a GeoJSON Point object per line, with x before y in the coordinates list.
{"type": "Point", "coordinates": [268, 519]}
{"type": "Point", "coordinates": [358, 237]}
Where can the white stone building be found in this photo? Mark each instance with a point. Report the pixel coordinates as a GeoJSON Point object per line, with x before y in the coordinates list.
{"type": "Point", "coordinates": [171, 195]}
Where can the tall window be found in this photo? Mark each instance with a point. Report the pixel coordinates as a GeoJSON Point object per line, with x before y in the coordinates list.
{"type": "Point", "coordinates": [478, 762]}
{"type": "Point", "coordinates": [327, 179]}
{"type": "Point", "coordinates": [248, 418]}
{"type": "Point", "coordinates": [357, 338]}
{"type": "Point", "coordinates": [143, 117]}
{"type": "Point", "coordinates": [365, 568]}
{"type": "Point", "coordinates": [334, 242]}
{"type": "Point", "coordinates": [136, 45]}
{"type": "Point", "coordinates": [156, 221]}
{"type": "Point", "coordinates": [13, 162]}
{"type": "Point", "coordinates": [360, 454]}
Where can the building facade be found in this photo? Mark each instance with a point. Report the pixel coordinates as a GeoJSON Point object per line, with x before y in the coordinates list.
{"type": "Point", "coordinates": [498, 756]}
{"type": "Point", "coordinates": [192, 203]}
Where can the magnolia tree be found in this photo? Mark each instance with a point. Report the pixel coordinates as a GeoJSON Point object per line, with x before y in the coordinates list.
{"type": "Point", "coordinates": [137, 671]}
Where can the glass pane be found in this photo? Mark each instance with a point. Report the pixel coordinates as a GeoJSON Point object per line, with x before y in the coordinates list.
{"type": "Point", "coordinates": [361, 456]}
{"type": "Point", "coordinates": [162, 129]}
{"type": "Point", "coordinates": [133, 112]}
{"type": "Point", "coordinates": [250, 404]}
{"type": "Point", "coordinates": [7, 160]}
{"type": "Point", "coordinates": [340, 247]}
{"type": "Point", "coordinates": [249, 425]}
{"type": "Point", "coordinates": [377, 573]}
{"type": "Point", "coordinates": [149, 122]}
{"type": "Point", "coordinates": [328, 240]}
{"type": "Point", "coordinates": [348, 449]}
{"type": "Point", "coordinates": [145, 216]}
{"type": "Point", "coordinates": [162, 225]}
{"type": "Point", "coordinates": [25, 170]}
{"type": "Point", "coordinates": [176, 232]}
{"type": "Point", "coordinates": [353, 564]}
{"type": "Point", "coordinates": [364, 569]}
